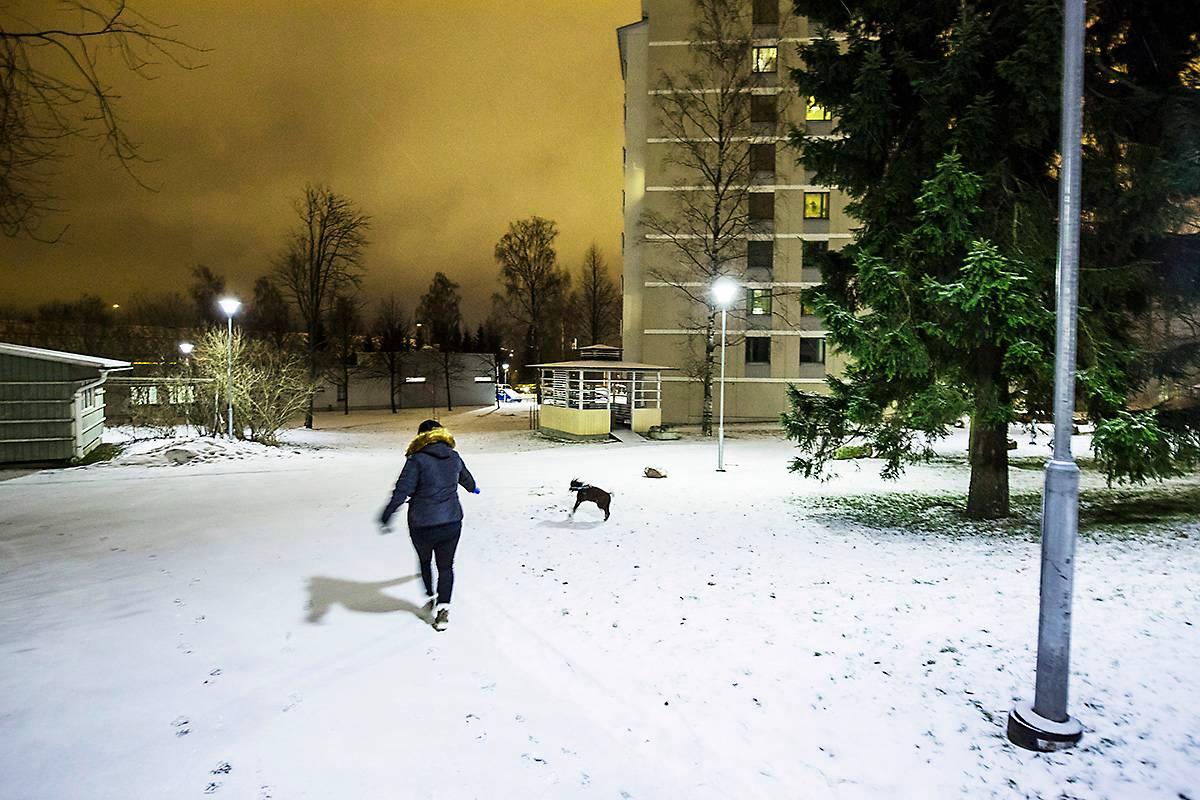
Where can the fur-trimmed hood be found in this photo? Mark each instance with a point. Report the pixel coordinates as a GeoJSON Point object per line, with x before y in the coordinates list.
{"type": "Point", "coordinates": [435, 436]}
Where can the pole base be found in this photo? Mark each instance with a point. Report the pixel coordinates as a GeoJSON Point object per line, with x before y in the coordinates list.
{"type": "Point", "coordinates": [1032, 731]}
{"type": "Point", "coordinates": [720, 469]}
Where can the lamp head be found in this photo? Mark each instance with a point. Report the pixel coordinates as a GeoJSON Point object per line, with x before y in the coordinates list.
{"type": "Point", "coordinates": [229, 305]}
{"type": "Point", "coordinates": [504, 365]}
{"type": "Point", "coordinates": [186, 348]}
{"type": "Point", "coordinates": [724, 290]}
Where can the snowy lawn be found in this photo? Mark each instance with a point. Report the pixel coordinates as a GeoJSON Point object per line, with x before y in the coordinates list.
{"type": "Point", "coordinates": [234, 626]}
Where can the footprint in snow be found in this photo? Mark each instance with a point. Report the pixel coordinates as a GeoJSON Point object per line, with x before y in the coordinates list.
{"type": "Point", "coordinates": [223, 768]}
{"type": "Point", "coordinates": [180, 724]}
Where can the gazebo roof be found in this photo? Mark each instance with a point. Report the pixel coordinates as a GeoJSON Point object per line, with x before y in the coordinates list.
{"type": "Point", "coordinates": [602, 365]}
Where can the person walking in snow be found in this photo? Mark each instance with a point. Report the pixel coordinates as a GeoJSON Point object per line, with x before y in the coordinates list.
{"type": "Point", "coordinates": [432, 473]}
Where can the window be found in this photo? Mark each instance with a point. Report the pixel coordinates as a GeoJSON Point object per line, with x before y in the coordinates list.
{"type": "Point", "coordinates": [762, 108]}
{"type": "Point", "coordinates": [88, 398]}
{"type": "Point", "coordinates": [766, 12]}
{"type": "Point", "coordinates": [760, 255]}
{"type": "Point", "coordinates": [417, 379]}
{"type": "Point", "coordinates": [812, 351]}
{"type": "Point", "coordinates": [758, 349]}
{"type": "Point", "coordinates": [765, 58]}
{"type": "Point", "coordinates": [143, 395]}
{"type": "Point", "coordinates": [813, 254]}
{"type": "Point", "coordinates": [758, 302]}
{"type": "Point", "coordinates": [815, 112]}
{"type": "Point", "coordinates": [341, 387]}
{"type": "Point", "coordinates": [181, 394]}
{"type": "Point", "coordinates": [816, 205]}
{"type": "Point", "coordinates": [762, 158]}
{"type": "Point", "coordinates": [484, 379]}
{"type": "Point", "coordinates": [762, 206]}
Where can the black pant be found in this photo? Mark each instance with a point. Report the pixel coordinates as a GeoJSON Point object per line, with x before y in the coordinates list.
{"type": "Point", "coordinates": [438, 541]}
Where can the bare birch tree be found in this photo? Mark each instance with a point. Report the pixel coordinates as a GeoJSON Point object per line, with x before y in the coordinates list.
{"type": "Point", "coordinates": [322, 259]}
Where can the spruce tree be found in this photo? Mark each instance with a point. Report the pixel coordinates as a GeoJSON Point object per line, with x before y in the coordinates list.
{"type": "Point", "coordinates": [947, 144]}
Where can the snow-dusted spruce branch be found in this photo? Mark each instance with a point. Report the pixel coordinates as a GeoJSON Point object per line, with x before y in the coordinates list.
{"type": "Point", "coordinates": [52, 90]}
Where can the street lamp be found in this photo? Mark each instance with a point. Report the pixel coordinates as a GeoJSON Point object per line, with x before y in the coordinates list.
{"type": "Point", "coordinates": [230, 306]}
{"type": "Point", "coordinates": [186, 348]}
{"type": "Point", "coordinates": [724, 291]}
{"type": "Point", "coordinates": [1045, 724]}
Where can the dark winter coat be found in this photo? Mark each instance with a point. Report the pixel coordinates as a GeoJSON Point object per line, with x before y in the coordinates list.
{"type": "Point", "coordinates": [429, 482]}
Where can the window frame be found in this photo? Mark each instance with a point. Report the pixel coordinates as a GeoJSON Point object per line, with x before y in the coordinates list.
{"type": "Point", "coordinates": [765, 12]}
{"type": "Point", "coordinates": [758, 302]}
{"type": "Point", "coordinates": [823, 209]}
{"type": "Point", "coordinates": [758, 157]}
{"type": "Point", "coordinates": [761, 103]}
{"type": "Point", "coordinates": [760, 62]}
{"type": "Point", "coordinates": [815, 112]}
{"type": "Point", "coordinates": [753, 259]}
{"type": "Point", "coordinates": [821, 350]}
{"type": "Point", "coordinates": [765, 349]}
{"type": "Point", "coordinates": [758, 206]}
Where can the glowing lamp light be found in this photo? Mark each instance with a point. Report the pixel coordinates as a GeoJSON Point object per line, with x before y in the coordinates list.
{"type": "Point", "coordinates": [186, 348]}
{"type": "Point", "coordinates": [229, 305]}
{"type": "Point", "coordinates": [724, 290]}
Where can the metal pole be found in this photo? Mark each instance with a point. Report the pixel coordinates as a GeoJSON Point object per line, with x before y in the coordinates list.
{"type": "Point", "coordinates": [721, 415]}
{"type": "Point", "coordinates": [1046, 725]}
{"type": "Point", "coordinates": [229, 385]}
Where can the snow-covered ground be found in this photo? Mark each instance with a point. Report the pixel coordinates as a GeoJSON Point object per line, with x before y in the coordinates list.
{"type": "Point", "coordinates": [234, 626]}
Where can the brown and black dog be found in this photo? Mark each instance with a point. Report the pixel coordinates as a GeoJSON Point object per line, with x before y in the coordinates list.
{"type": "Point", "coordinates": [584, 492]}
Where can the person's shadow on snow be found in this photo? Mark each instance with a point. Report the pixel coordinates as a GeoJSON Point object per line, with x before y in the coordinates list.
{"type": "Point", "coordinates": [324, 593]}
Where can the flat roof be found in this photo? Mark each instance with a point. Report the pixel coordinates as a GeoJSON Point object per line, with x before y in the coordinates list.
{"type": "Point", "coordinates": [601, 364]}
{"type": "Point", "coordinates": [21, 351]}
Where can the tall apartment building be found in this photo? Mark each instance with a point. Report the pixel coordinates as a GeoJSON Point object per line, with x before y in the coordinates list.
{"type": "Point", "coordinates": [773, 340]}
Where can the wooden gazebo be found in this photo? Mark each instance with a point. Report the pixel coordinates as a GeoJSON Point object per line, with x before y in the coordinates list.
{"type": "Point", "coordinates": [588, 398]}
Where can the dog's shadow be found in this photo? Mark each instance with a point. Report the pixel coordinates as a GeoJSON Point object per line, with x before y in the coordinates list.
{"type": "Point", "coordinates": [324, 593]}
{"type": "Point", "coordinates": [570, 524]}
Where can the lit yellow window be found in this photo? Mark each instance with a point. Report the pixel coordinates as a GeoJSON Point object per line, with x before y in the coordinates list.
{"type": "Point", "coordinates": [759, 301]}
{"type": "Point", "coordinates": [815, 112]}
{"type": "Point", "coordinates": [765, 58]}
{"type": "Point", "coordinates": [816, 205]}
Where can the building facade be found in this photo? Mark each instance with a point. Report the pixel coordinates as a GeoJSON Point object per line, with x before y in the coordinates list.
{"type": "Point", "coordinates": [783, 226]}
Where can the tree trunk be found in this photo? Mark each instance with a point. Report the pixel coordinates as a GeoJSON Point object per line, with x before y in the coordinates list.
{"type": "Point", "coordinates": [345, 388]}
{"type": "Point", "coordinates": [446, 372]}
{"type": "Point", "coordinates": [710, 347]}
{"type": "Point", "coordinates": [987, 497]}
{"type": "Point", "coordinates": [392, 385]}
{"type": "Point", "coordinates": [312, 375]}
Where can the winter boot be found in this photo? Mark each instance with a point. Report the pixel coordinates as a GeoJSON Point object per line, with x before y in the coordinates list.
{"type": "Point", "coordinates": [442, 619]}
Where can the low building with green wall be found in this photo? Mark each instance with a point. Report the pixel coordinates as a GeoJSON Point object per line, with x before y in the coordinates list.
{"type": "Point", "coordinates": [51, 403]}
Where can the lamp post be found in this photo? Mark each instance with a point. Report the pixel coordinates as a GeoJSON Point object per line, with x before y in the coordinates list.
{"type": "Point", "coordinates": [724, 290]}
{"type": "Point", "coordinates": [1045, 724]}
{"type": "Point", "coordinates": [504, 366]}
{"type": "Point", "coordinates": [230, 306]}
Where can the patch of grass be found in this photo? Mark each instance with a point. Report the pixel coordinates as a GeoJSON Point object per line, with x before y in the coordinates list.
{"type": "Point", "coordinates": [1119, 511]}
{"type": "Point", "coordinates": [101, 452]}
{"type": "Point", "coordinates": [851, 451]}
